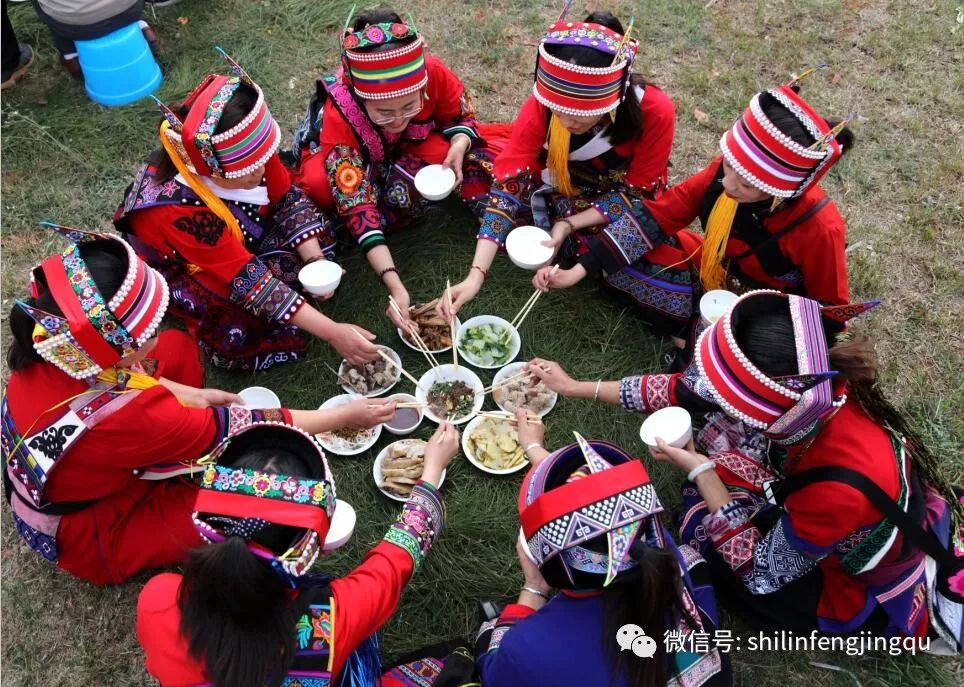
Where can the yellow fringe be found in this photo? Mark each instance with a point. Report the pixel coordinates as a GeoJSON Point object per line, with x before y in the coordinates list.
{"type": "Point", "coordinates": [136, 380]}
{"type": "Point", "coordinates": [718, 225]}
{"type": "Point", "coordinates": [214, 204]}
{"type": "Point", "coordinates": [558, 159]}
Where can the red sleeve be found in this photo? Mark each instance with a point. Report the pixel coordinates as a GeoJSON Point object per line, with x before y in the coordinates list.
{"type": "Point", "coordinates": [158, 631]}
{"type": "Point", "coordinates": [528, 136]}
{"type": "Point", "coordinates": [680, 204]}
{"type": "Point", "coordinates": [195, 234]}
{"type": "Point", "coordinates": [819, 249]}
{"type": "Point", "coordinates": [366, 597]}
{"type": "Point", "coordinates": [453, 109]}
{"type": "Point", "coordinates": [648, 169]}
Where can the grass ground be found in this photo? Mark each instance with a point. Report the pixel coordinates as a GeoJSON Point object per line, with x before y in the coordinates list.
{"type": "Point", "coordinates": [898, 64]}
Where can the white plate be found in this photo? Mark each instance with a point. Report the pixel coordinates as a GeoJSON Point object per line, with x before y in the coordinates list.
{"type": "Point", "coordinates": [339, 447]}
{"type": "Point", "coordinates": [259, 398]}
{"type": "Point", "coordinates": [471, 427]}
{"type": "Point", "coordinates": [458, 323]}
{"type": "Point", "coordinates": [448, 373]}
{"type": "Point", "coordinates": [514, 341]}
{"type": "Point", "coordinates": [434, 182]}
{"type": "Point", "coordinates": [377, 468]}
{"type": "Point", "coordinates": [525, 249]}
{"type": "Point", "coordinates": [508, 371]}
{"type": "Point", "coordinates": [372, 394]}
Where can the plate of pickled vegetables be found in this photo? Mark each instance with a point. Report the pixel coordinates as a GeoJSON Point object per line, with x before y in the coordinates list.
{"type": "Point", "coordinates": [492, 445]}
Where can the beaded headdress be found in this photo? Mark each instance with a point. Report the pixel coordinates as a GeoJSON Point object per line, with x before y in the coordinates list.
{"type": "Point", "coordinates": [384, 74]}
{"type": "Point", "coordinates": [613, 499]}
{"type": "Point", "coordinates": [788, 407]}
{"type": "Point", "coordinates": [771, 161]}
{"type": "Point", "coordinates": [236, 501]}
{"type": "Point", "coordinates": [93, 334]}
{"type": "Point", "coordinates": [230, 154]}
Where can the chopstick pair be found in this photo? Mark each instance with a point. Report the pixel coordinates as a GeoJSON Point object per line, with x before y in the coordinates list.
{"type": "Point", "coordinates": [510, 417]}
{"type": "Point", "coordinates": [511, 378]}
{"type": "Point", "coordinates": [455, 348]}
{"type": "Point", "coordinates": [416, 337]}
{"type": "Point", "coordinates": [388, 359]}
{"type": "Point", "coordinates": [529, 304]}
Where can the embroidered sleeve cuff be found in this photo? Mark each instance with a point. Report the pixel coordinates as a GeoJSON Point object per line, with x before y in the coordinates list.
{"type": "Point", "coordinates": [264, 295]}
{"type": "Point", "coordinates": [733, 535]}
{"type": "Point", "coordinates": [300, 219]}
{"type": "Point", "coordinates": [631, 231]}
{"type": "Point", "coordinates": [492, 631]}
{"type": "Point", "coordinates": [646, 393]}
{"type": "Point", "coordinates": [420, 522]}
{"type": "Point", "coordinates": [365, 224]}
{"type": "Point", "coordinates": [466, 127]}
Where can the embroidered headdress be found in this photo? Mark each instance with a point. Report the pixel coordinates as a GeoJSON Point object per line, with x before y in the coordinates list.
{"type": "Point", "coordinates": [377, 74]}
{"type": "Point", "coordinates": [235, 501]}
{"type": "Point", "coordinates": [93, 334]}
{"type": "Point", "coordinates": [606, 493]}
{"type": "Point", "coordinates": [787, 408]}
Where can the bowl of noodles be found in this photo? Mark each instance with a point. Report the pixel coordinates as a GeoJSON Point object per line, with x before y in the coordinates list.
{"type": "Point", "coordinates": [347, 441]}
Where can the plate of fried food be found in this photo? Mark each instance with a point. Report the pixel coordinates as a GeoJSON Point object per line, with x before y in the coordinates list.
{"type": "Point", "coordinates": [347, 441]}
{"type": "Point", "coordinates": [435, 332]}
{"type": "Point", "coordinates": [492, 445]}
{"type": "Point", "coordinates": [399, 466]}
{"type": "Point", "coordinates": [370, 379]}
{"type": "Point", "coordinates": [526, 391]}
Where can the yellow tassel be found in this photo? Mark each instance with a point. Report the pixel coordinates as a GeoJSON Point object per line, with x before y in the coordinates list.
{"type": "Point", "coordinates": [214, 204]}
{"type": "Point", "coordinates": [718, 225]}
{"type": "Point", "coordinates": [135, 380]}
{"type": "Point", "coordinates": [558, 159]}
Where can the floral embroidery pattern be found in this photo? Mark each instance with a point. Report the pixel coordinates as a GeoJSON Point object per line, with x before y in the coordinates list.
{"type": "Point", "coordinates": [267, 485]}
{"type": "Point", "coordinates": [93, 303]}
{"type": "Point", "coordinates": [349, 181]}
{"type": "Point", "coordinates": [314, 629]}
{"type": "Point", "coordinates": [203, 225]}
{"type": "Point", "coordinates": [52, 440]}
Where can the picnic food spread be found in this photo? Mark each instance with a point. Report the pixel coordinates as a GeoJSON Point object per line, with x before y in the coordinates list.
{"type": "Point", "coordinates": [451, 400]}
{"type": "Point", "coordinates": [486, 344]}
{"type": "Point", "coordinates": [495, 444]}
{"type": "Point", "coordinates": [368, 378]}
{"type": "Point", "coordinates": [435, 332]}
{"type": "Point", "coordinates": [524, 392]}
{"type": "Point", "coordinates": [402, 466]}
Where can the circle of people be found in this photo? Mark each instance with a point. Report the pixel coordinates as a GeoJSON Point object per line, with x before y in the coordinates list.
{"type": "Point", "coordinates": [809, 503]}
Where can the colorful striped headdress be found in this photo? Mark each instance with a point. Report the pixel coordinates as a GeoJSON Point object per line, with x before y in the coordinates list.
{"type": "Point", "coordinates": [235, 501]}
{"type": "Point", "coordinates": [583, 91]}
{"type": "Point", "coordinates": [770, 160]}
{"type": "Point", "coordinates": [230, 154]}
{"type": "Point", "coordinates": [787, 408]}
{"type": "Point", "coordinates": [383, 74]}
{"type": "Point", "coordinates": [93, 334]}
{"type": "Point", "coordinates": [607, 493]}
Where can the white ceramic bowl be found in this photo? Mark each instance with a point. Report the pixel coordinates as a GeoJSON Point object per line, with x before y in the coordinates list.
{"type": "Point", "coordinates": [402, 431]}
{"type": "Point", "coordinates": [342, 526]}
{"type": "Point", "coordinates": [320, 278]}
{"type": "Point", "coordinates": [259, 398]}
{"type": "Point", "coordinates": [471, 427]}
{"type": "Point", "coordinates": [525, 249]}
{"type": "Point", "coordinates": [334, 444]}
{"type": "Point", "coordinates": [458, 323]}
{"type": "Point", "coordinates": [434, 182]}
{"type": "Point", "coordinates": [448, 373]}
{"type": "Point", "coordinates": [673, 425]}
{"type": "Point", "coordinates": [715, 304]}
{"type": "Point", "coordinates": [377, 469]}
{"type": "Point", "coordinates": [343, 370]}
{"type": "Point", "coordinates": [513, 340]}
{"type": "Point", "coordinates": [508, 371]}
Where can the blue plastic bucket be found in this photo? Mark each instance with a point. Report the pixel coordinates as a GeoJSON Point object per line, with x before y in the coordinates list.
{"type": "Point", "coordinates": [119, 68]}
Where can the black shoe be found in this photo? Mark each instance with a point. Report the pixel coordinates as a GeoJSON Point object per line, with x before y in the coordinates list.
{"type": "Point", "coordinates": [11, 77]}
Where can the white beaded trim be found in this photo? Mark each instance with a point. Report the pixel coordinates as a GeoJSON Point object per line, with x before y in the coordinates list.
{"type": "Point", "coordinates": [43, 350]}
{"type": "Point", "coordinates": [161, 309]}
{"type": "Point", "coordinates": [358, 56]}
{"type": "Point", "coordinates": [569, 110]}
{"type": "Point", "coordinates": [394, 94]}
{"type": "Point", "coordinates": [260, 162]}
{"type": "Point", "coordinates": [771, 129]}
{"type": "Point", "coordinates": [578, 69]}
{"type": "Point", "coordinates": [747, 176]}
{"type": "Point", "coordinates": [727, 407]}
{"type": "Point", "coordinates": [225, 135]}
{"type": "Point", "coordinates": [128, 283]}
{"type": "Point", "coordinates": [799, 114]}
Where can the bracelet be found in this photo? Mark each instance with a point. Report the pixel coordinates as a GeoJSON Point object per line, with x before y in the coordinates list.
{"type": "Point", "coordinates": [534, 444]}
{"type": "Point", "coordinates": [572, 227]}
{"type": "Point", "coordinates": [485, 274]}
{"type": "Point", "coordinates": [381, 275]}
{"type": "Point", "coordinates": [595, 396]}
{"type": "Point", "coordinates": [537, 592]}
{"type": "Point", "coordinates": [700, 469]}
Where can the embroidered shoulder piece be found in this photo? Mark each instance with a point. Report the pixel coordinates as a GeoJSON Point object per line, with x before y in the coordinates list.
{"type": "Point", "coordinates": [631, 231]}
{"type": "Point", "coordinates": [257, 289]}
{"type": "Point", "coordinates": [299, 219]}
{"type": "Point", "coordinates": [420, 522]}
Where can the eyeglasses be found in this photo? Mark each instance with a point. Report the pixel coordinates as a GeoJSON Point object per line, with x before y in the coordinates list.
{"type": "Point", "coordinates": [407, 113]}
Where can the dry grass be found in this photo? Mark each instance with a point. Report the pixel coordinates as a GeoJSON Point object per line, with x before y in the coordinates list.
{"type": "Point", "coordinates": [897, 64]}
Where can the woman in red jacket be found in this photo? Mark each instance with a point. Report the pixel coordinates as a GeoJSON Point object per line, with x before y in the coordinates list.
{"type": "Point", "coordinates": [101, 415]}
{"type": "Point", "coordinates": [247, 612]}
{"type": "Point", "coordinates": [217, 213]}
{"type": "Point", "coordinates": [592, 135]}
{"type": "Point", "coordinates": [392, 109]}
{"type": "Point", "coordinates": [767, 222]}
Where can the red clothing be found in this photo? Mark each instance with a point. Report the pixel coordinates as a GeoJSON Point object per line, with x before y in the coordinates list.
{"type": "Point", "coordinates": [815, 247]}
{"type": "Point", "coordinates": [363, 601]}
{"type": "Point", "coordinates": [105, 542]}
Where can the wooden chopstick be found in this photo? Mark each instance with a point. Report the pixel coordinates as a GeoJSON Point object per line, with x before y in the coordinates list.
{"type": "Point", "coordinates": [419, 343]}
{"type": "Point", "coordinates": [388, 359]}
{"type": "Point", "coordinates": [455, 348]}
{"type": "Point", "coordinates": [509, 417]}
{"type": "Point", "coordinates": [510, 378]}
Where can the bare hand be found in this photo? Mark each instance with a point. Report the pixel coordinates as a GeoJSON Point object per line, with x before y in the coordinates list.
{"type": "Point", "coordinates": [560, 232]}
{"type": "Point", "coordinates": [531, 575]}
{"type": "Point", "coordinates": [462, 293]}
{"type": "Point", "coordinates": [403, 301]}
{"type": "Point", "coordinates": [206, 398]}
{"type": "Point", "coordinates": [530, 432]}
{"type": "Point", "coordinates": [439, 452]}
{"type": "Point", "coordinates": [356, 350]}
{"type": "Point", "coordinates": [686, 459]}
{"type": "Point", "coordinates": [456, 156]}
{"type": "Point", "coordinates": [552, 375]}
{"type": "Point", "coordinates": [545, 278]}
{"type": "Point", "coordinates": [364, 413]}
